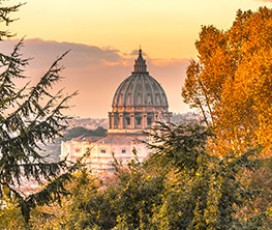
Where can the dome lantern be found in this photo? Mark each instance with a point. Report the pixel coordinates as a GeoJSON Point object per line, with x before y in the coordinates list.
{"type": "Point", "coordinates": [140, 66]}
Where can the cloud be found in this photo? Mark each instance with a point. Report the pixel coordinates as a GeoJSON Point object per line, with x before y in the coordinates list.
{"type": "Point", "coordinates": [96, 72]}
{"type": "Point", "coordinates": [84, 54]}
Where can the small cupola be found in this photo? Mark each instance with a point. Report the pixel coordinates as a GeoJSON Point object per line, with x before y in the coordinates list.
{"type": "Point", "coordinates": [140, 66]}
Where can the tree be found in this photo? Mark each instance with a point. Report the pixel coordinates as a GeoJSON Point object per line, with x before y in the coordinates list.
{"type": "Point", "coordinates": [201, 191]}
{"type": "Point", "coordinates": [29, 117]}
{"type": "Point", "coordinates": [83, 132]}
{"type": "Point", "coordinates": [181, 186]}
{"type": "Point", "coordinates": [231, 82]}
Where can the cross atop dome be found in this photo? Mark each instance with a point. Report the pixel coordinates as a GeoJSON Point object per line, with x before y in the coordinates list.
{"type": "Point", "coordinates": [140, 66]}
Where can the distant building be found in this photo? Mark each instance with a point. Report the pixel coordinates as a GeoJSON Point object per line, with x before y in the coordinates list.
{"type": "Point", "coordinates": [189, 118]}
{"type": "Point", "coordinates": [138, 102]}
{"type": "Point", "coordinates": [76, 148]}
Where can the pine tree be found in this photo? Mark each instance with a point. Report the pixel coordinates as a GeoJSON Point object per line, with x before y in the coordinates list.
{"type": "Point", "coordinates": [30, 117]}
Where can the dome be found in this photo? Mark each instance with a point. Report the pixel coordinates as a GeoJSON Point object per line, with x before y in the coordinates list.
{"type": "Point", "coordinates": [138, 102]}
{"type": "Point", "coordinates": [140, 90]}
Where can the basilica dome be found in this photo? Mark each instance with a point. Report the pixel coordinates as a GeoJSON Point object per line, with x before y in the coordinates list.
{"type": "Point", "coordinates": [138, 102]}
{"type": "Point", "coordinates": [140, 90]}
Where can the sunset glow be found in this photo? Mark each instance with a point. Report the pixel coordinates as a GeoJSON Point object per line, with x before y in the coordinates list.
{"type": "Point", "coordinates": [166, 30]}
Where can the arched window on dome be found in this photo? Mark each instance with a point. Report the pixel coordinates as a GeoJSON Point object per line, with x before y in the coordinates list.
{"type": "Point", "coordinates": [148, 99]}
{"type": "Point", "coordinates": [163, 99]}
{"type": "Point", "coordinates": [129, 101]}
{"type": "Point", "coordinates": [157, 99]}
{"type": "Point", "coordinates": [121, 98]}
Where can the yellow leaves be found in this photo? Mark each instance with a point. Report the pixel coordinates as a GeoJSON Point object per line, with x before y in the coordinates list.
{"type": "Point", "coordinates": [198, 174]}
{"type": "Point", "coordinates": [268, 213]}
{"type": "Point", "coordinates": [256, 76]}
{"type": "Point", "coordinates": [148, 177]}
{"type": "Point", "coordinates": [190, 88]}
{"type": "Point", "coordinates": [264, 132]}
{"type": "Point", "coordinates": [210, 38]}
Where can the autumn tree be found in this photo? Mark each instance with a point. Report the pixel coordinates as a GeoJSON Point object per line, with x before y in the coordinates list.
{"type": "Point", "coordinates": [231, 82]}
{"type": "Point", "coordinates": [30, 116]}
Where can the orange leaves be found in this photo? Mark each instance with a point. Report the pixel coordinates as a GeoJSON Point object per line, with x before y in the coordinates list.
{"type": "Point", "coordinates": [234, 84]}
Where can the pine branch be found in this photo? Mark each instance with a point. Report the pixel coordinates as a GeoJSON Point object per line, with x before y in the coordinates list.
{"type": "Point", "coordinates": [5, 18]}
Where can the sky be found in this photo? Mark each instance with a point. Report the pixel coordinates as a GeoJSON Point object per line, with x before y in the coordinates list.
{"type": "Point", "coordinates": [103, 37]}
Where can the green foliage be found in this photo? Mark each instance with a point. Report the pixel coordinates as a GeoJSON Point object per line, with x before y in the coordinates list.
{"type": "Point", "coordinates": [201, 190]}
{"type": "Point", "coordinates": [178, 187]}
{"type": "Point", "coordinates": [83, 132]}
{"type": "Point", "coordinates": [10, 217]}
{"type": "Point", "coordinates": [89, 207]}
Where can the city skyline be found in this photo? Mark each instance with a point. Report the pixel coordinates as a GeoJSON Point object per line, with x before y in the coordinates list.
{"type": "Point", "coordinates": [103, 37]}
